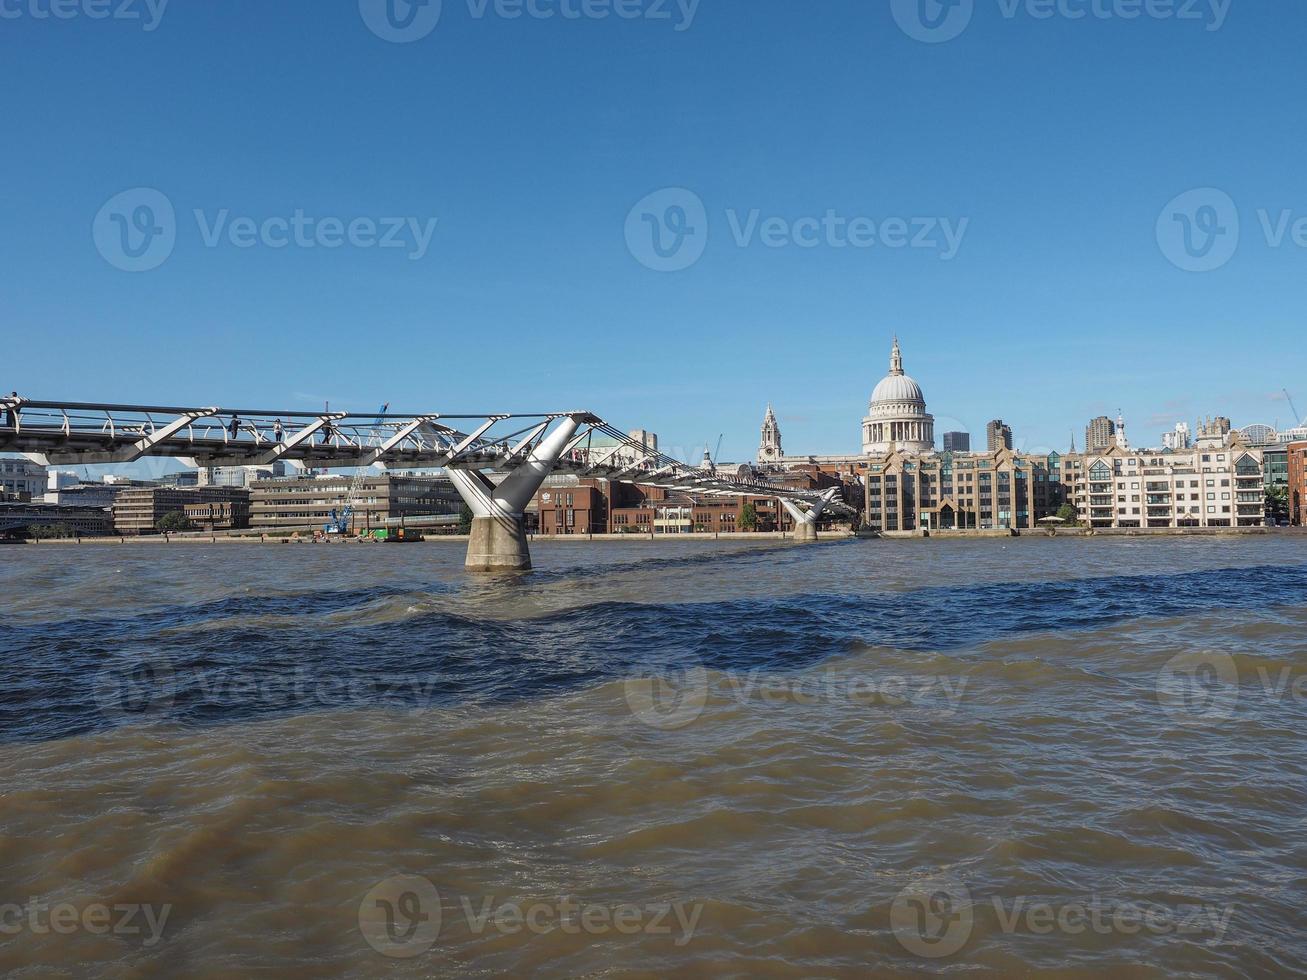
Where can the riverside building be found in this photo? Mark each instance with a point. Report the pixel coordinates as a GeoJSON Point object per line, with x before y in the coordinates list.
{"type": "Point", "coordinates": [382, 501]}
{"type": "Point", "coordinates": [1216, 481]}
{"type": "Point", "coordinates": [1297, 467]}
{"type": "Point", "coordinates": [138, 510]}
{"type": "Point", "coordinates": [1219, 482]}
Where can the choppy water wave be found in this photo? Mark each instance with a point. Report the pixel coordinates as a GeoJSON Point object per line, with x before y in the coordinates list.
{"type": "Point", "coordinates": [396, 647]}
{"type": "Point", "coordinates": [822, 760]}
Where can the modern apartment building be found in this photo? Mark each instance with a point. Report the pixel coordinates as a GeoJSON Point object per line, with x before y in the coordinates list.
{"type": "Point", "coordinates": [961, 491]}
{"type": "Point", "coordinates": [1217, 483]}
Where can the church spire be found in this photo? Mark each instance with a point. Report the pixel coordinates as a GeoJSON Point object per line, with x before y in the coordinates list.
{"type": "Point", "coordinates": [896, 358]}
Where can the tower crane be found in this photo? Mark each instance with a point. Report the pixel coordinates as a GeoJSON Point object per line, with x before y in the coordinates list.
{"type": "Point", "coordinates": [339, 521]}
{"type": "Point", "coordinates": [1297, 419]}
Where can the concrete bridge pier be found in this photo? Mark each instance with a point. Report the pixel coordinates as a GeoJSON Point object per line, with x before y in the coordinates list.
{"type": "Point", "coordinates": [498, 541]}
{"type": "Point", "coordinates": [805, 521]}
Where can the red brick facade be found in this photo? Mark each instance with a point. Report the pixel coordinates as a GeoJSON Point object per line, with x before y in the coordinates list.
{"type": "Point", "coordinates": [599, 507]}
{"type": "Point", "coordinates": [1298, 484]}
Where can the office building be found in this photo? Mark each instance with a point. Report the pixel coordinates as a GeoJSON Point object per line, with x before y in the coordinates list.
{"type": "Point", "coordinates": [382, 501]}
{"type": "Point", "coordinates": [138, 510]}
{"type": "Point", "coordinates": [998, 436]}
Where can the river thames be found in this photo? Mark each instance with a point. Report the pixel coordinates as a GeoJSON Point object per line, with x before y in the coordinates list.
{"type": "Point", "coordinates": [1000, 757]}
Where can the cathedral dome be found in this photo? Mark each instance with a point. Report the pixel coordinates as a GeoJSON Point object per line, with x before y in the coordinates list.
{"type": "Point", "coordinates": [896, 389]}
{"type": "Point", "coordinates": [897, 416]}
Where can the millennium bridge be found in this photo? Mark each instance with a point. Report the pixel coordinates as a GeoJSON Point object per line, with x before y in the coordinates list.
{"type": "Point", "coordinates": [496, 461]}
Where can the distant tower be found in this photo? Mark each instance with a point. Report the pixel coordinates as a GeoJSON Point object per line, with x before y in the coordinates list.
{"type": "Point", "coordinates": [1120, 430]}
{"type": "Point", "coordinates": [1099, 434]}
{"type": "Point", "coordinates": [998, 435]}
{"type": "Point", "coordinates": [769, 449]}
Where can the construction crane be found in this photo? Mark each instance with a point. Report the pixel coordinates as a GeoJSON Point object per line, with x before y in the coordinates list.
{"type": "Point", "coordinates": [1297, 419]}
{"type": "Point", "coordinates": [339, 521]}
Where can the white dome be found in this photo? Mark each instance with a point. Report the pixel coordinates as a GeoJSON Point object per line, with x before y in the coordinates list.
{"type": "Point", "coordinates": [897, 416]}
{"type": "Point", "coordinates": [897, 389]}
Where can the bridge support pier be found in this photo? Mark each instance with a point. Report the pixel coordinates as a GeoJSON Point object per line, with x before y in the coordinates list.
{"type": "Point", "coordinates": [498, 539]}
{"type": "Point", "coordinates": [498, 544]}
{"type": "Point", "coordinates": [805, 521]}
{"type": "Point", "coordinates": [805, 531]}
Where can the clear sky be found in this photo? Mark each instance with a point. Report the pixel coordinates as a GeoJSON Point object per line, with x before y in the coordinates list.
{"type": "Point", "coordinates": [1051, 147]}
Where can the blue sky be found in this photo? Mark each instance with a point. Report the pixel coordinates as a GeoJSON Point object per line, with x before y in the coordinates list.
{"type": "Point", "coordinates": [1052, 146]}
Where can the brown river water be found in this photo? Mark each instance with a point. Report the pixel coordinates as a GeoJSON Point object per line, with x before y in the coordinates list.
{"type": "Point", "coordinates": [1028, 757]}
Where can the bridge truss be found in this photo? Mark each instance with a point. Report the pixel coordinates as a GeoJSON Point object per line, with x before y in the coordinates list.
{"type": "Point", "coordinates": [521, 449]}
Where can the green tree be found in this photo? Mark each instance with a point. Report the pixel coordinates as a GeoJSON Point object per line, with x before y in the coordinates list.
{"type": "Point", "coordinates": [748, 517]}
{"type": "Point", "coordinates": [42, 531]}
{"type": "Point", "coordinates": [1277, 503]}
{"type": "Point", "coordinates": [1068, 514]}
{"type": "Point", "coordinates": [174, 520]}
{"type": "Point", "coordinates": [465, 519]}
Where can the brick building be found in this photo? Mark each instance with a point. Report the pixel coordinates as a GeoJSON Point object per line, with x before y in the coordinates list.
{"type": "Point", "coordinates": [1297, 458]}
{"type": "Point", "coordinates": [568, 505]}
{"type": "Point", "coordinates": [219, 515]}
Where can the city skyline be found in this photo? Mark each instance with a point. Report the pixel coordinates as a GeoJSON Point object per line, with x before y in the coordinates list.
{"type": "Point", "coordinates": [1043, 259]}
